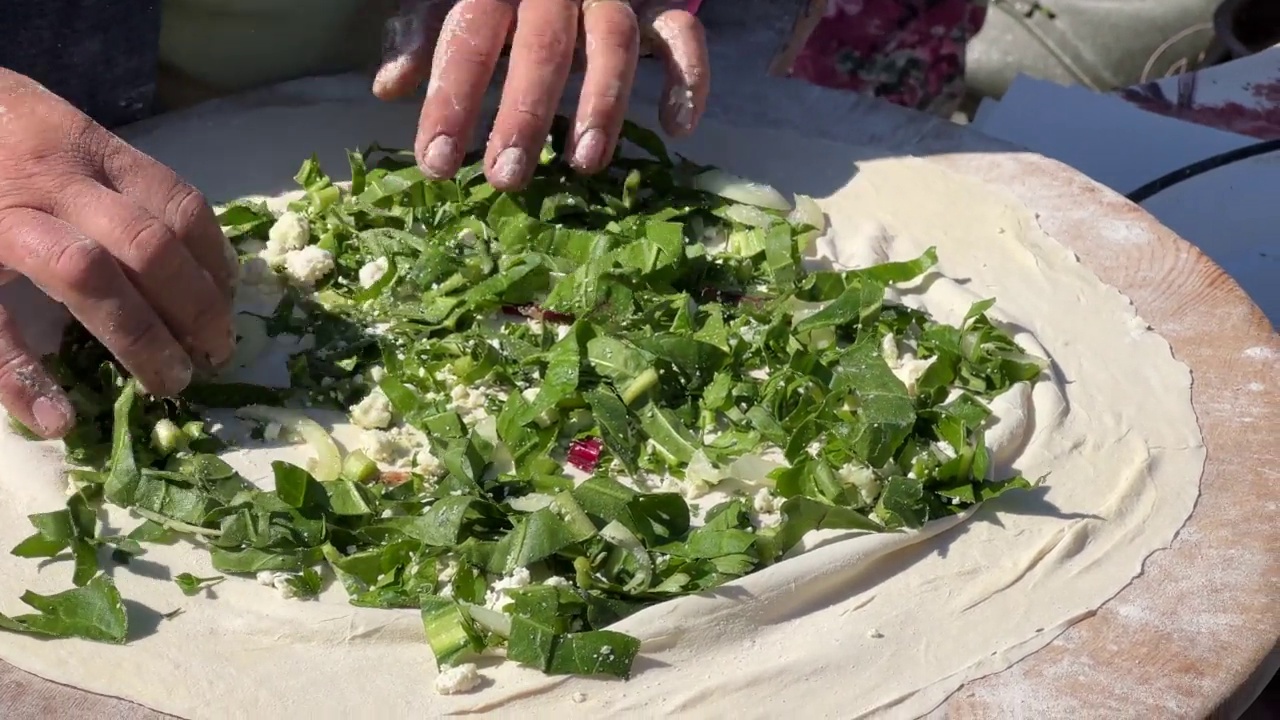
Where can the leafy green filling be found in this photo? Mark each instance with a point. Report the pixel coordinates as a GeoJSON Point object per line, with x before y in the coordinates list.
{"type": "Point", "coordinates": [674, 333]}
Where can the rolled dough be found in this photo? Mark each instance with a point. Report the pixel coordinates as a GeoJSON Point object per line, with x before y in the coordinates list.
{"type": "Point", "coordinates": [871, 626]}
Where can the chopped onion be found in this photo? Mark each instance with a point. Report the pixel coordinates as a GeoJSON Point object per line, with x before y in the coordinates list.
{"type": "Point", "coordinates": [732, 187]}
{"type": "Point", "coordinates": [808, 213]}
{"type": "Point", "coordinates": [584, 454]}
{"type": "Point", "coordinates": [327, 465]}
{"type": "Point", "coordinates": [496, 622]}
{"type": "Point", "coordinates": [359, 468]}
{"type": "Point", "coordinates": [532, 502]}
{"type": "Point", "coordinates": [749, 215]}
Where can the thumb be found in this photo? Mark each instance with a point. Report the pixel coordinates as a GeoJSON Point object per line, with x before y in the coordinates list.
{"type": "Point", "coordinates": [27, 390]}
{"type": "Point", "coordinates": [408, 38]}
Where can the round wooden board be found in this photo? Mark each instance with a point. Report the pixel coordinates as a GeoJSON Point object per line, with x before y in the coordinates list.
{"type": "Point", "coordinates": [1196, 634]}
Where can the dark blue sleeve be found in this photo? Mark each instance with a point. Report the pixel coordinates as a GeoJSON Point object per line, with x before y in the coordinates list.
{"type": "Point", "coordinates": [101, 55]}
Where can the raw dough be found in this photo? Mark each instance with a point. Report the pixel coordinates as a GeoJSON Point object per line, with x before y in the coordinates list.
{"type": "Point", "coordinates": [879, 625]}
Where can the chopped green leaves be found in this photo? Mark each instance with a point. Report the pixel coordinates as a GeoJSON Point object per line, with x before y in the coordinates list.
{"type": "Point", "coordinates": [192, 585]}
{"type": "Point", "coordinates": [660, 338]}
{"type": "Point", "coordinates": [92, 612]}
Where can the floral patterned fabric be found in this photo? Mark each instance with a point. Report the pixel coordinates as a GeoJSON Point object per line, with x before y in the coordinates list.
{"type": "Point", "coordinates": [909, 52]}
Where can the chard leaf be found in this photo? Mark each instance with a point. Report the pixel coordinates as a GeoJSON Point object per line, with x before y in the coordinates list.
{"type": "Point", "coordinates": [665, 429]}
{"type": "Point", "coordinates": [450, 630]}
{"type": "Point", "coordinates": [902, 504]}
{"type": "Point", "coordinates": [535, 537]}
{"type": "Point", "coordinates": [614, 420]}
{"type": "Point", "coordinates": [122, 479]}
{"type": "Point", "coordinates": [802, 515]}
{"type": "Point", "coordinates": [900, 272]}
{"type": "Point", "coordinates": [617, 359]}
{"type": "Point", "coordinates": [597, 652]}
{"type": "Point", "coordinates": [192, 585]}
{"type": "Point", "coordinates": [92, 612]}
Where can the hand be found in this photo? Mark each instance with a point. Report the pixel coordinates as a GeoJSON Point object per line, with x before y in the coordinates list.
{"type": "Point", "coordinates": [132, 251]}
{"type": "Point", "coordinates": [468, 36]}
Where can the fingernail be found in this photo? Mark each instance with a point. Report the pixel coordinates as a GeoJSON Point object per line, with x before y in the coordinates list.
{"type": "Point", "coordinates": [680, 99]}
{"type": "Point", "coordinates": [53, 415]}
{"type": "Point", "coordinates": [223, 356]}
{"type": "Point", "coordinates": [176, 373]}
{"type": "Point", "coordinates": [441, 154]}
{"type": "Point", "coordinates": [589, 150]}
{"type": "Point", "coordinates": [510, 165]}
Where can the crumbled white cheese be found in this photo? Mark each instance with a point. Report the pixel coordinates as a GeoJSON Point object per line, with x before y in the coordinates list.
{"type": "Point", "coordinates": [309, 265]}
{"type": "Point", "coordinates": [497, 598]}
{"type": "Point", "coordinates": [768, 508]}
{"type": "Point", "coordinates": [376, 373]}
{"type": "Point", "coordinates": [460, 679]}
{"type": "Point", "coordinates": [557, 581]}
{"type": "Point", "coordinates": [468, 402]}
{"type": "Point", "coordinates": [863, 478]}
{"type": "Point", "coordinates": [875, 634]}
{"type": "Point", "coordinates": [290, 232]}
{"type": "Point", "coordinates": [579, 697]}
{"type": "Point", "coordinates": [427, 464]}
{"type": "Point", "coordinates": [387, 447]}
{"type": "Point", "coordinates": [373, 271]}
{"type": "Point", "coordinates": [279, 581]}
{"type": "Point", "coordinates": [373, 412]}
{"type": "Point", "coordinates": [945, 448]}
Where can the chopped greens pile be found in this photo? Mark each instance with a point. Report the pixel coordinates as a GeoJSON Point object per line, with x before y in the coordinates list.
{"type": "Point", "coordinates": [578, 400]}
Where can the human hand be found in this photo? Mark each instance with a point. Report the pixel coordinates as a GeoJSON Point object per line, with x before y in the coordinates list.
{"type": "Point", "coordinates": [456, 44]}
{"type": "Point", "coordinates": [132, 251]}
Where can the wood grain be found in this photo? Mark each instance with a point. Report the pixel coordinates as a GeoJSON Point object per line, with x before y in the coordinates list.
{"type": "Point", "coordinates": [1195, 635]}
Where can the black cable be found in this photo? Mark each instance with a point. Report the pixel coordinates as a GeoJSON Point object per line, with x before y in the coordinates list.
{"type": "Point", "coordinates": [1201, 167]}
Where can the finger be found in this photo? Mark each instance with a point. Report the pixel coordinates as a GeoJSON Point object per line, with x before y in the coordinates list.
{"type": "Point", "coordinates": [84, 276]}
{"type": "Point", "coordinates": [466, 53]}
{"type": "Point", "coordinates": [679, 38]}
{"type": "Point", "coordinates": [182, 209]}
{"type": "Point", "coordinates": [540, 57]}
{"type": "Point", "coordinates": [406, 48]}
{"type": "Point", "coordinates": [160, 266]}
{"type": "Point", "coordinates": [27, 390]}
{"type": "Point", "coordinates": [613, 47]}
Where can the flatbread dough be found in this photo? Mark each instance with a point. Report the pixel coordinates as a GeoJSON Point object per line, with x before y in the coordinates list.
{"type": "Point", "coordinates": [871, 626]}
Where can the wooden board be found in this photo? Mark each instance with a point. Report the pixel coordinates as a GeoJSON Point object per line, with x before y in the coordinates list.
{"type": "Point", "coordinates": [1196, 634]}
